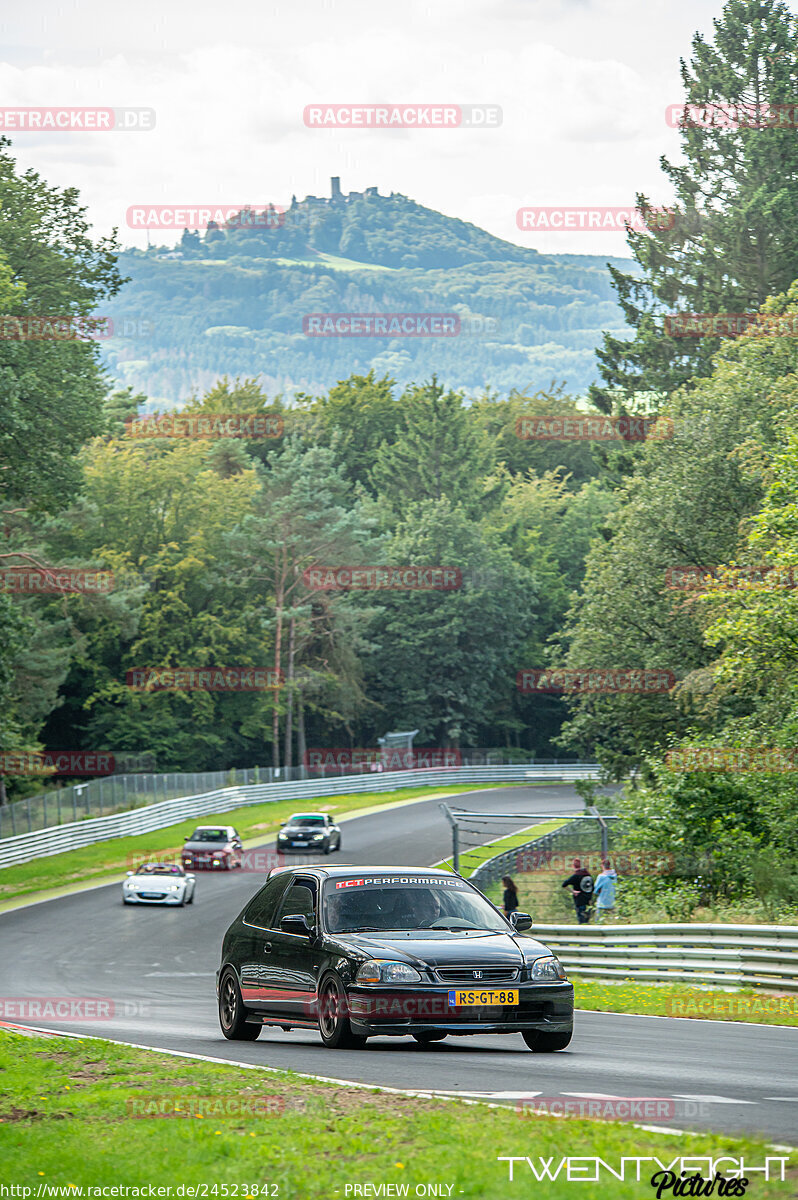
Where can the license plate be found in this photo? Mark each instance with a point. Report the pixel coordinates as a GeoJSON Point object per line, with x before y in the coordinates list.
{"type": "Point", "coordinates": [484, 997]}
{"type": "Point", "coordinates": [300, 843]}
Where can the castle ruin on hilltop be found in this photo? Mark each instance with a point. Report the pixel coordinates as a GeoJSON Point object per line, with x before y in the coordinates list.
{"type": "Point", "coordinates": [336, 195]}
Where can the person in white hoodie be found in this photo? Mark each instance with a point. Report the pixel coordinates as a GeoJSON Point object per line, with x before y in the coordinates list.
{"type": "Point", "coordinates": [604, 891]}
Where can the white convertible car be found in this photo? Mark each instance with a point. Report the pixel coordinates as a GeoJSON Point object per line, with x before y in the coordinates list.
{"type": "Point", "coordinates": [158, 883]}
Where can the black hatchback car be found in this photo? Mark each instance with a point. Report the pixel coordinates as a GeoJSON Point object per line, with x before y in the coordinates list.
{"type": "Point", "coordinates": [359, 952]}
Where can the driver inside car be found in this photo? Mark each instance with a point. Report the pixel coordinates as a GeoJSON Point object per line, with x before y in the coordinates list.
{"type": "Point", "coordinates": [415, 909]}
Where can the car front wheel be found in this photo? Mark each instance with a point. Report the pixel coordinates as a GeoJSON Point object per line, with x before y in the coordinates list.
{"type": "Point", "coordinates": [424, 1039]}
{"type": "Point", "coordinates": [546, 1043]}
{"type": "Point", "coordinates": [334, 1027]}
{"type": "Point", "coordinates": [232, 1014]}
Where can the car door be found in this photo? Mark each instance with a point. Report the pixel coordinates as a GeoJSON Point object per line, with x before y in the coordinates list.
{"type": "Point", "coordinates": [253, 941]}
{"type": "Point", "coordinates": [294, 962]}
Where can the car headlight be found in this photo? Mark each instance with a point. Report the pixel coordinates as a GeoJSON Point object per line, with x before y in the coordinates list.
{"type": "Point", "coordinates": [128, 883]}
{"type": "Point", "coordinates": [378, 970]}
{"type": "Point", "coordinates": [317, 837]}
{"type": "Point", "coordinates": [548, 967]}
{"type": "Point", "coordinates": [175, 887]}
{"type": "Point", "coordinates": [281, 837]}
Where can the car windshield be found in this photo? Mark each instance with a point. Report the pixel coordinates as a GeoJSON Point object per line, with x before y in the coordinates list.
{"type": "Point", "coordinates": [208, 835]}
{"type": "Point", "coordinates": [159, 869]}
{"type": "Point", "coordinates": [306, 821]}
{"type": "Point", "coordinates": [368, 903]}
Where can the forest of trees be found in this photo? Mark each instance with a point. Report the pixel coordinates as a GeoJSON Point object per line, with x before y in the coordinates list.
{"type": "Point", "coordinates": [566, 549]}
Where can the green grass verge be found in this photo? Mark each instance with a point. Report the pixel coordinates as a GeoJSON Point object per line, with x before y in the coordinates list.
{"type": "Point", "coordinates": [686, 1000]}
{"type": "Point", "coordinates": [475, 856]}
{"type": "Point", "coordinates": [256, 821]}
{"type": "Point", "coordinates": [66, 1120]}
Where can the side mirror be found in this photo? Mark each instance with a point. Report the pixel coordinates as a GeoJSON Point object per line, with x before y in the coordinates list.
{"type": "Point", "coordinates": [520, 921]}
{"type": "Point", "coordinates": [283, 823]}
{"type": "Point", "coordinates": [297, 923]}
{"type": "Point", "coordinates": [128, 872]}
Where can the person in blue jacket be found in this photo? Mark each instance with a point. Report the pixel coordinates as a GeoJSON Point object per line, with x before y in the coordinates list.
{"type": "Point", "coordinates": [604, 891]}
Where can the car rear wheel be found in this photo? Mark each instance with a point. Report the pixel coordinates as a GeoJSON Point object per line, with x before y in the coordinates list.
{"type": "Point", "coordinates": [424, 1039]}
{"type": "Point", "coordinates": [334, 1027]}
{"type": "Point", "coordinates": [232, 1014]}
{"type": "Point", "coordinates": [546, 1043]}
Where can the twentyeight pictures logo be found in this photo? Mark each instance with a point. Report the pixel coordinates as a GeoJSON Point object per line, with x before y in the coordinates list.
{"type": "Point", "coordinates": [402, 116]}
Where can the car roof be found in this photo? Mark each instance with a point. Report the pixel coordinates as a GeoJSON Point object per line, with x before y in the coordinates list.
{"type": "Point", "coordinates": [305, 813]}
{"type": "Point", "coordinates": [338, 872]}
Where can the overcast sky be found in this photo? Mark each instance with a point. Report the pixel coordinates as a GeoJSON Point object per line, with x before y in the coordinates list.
{"type": "Point", "coordinates": [583, 87]}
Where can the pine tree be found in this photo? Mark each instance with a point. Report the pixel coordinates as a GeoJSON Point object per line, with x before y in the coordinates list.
{"type": "Point", "coordinates": [733, 237]}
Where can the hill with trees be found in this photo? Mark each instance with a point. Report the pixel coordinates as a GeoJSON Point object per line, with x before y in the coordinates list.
{"type": "Point", "coordinates": [231, 301]}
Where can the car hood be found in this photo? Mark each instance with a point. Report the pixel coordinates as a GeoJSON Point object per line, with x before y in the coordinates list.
{"type": "Point", "coordinates": [451, 949]}
{"type": "Point", "coordinates": [154, 883]}
{"type": "Point", "coordinates": [205, 846]}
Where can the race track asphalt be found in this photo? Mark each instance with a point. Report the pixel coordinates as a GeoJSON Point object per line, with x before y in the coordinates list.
{"type": "Point", "coordinates": [158, 967]}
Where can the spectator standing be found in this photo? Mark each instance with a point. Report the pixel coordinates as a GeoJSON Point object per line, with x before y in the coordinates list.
{"type": "Point", "coordinates": [581, 885]}
{"type": "Point", "coordinates": [604, 891]}
{"type": "Point", "coordinates": [510, 900]}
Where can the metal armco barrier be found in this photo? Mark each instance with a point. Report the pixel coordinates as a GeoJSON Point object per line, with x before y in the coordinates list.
{"type": "Point", "coordinates": [77, 834]}
{"type": "Point", "coordinates": [728, 955]}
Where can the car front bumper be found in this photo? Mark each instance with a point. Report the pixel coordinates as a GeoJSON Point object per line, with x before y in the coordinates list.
{"type": "Point", "coordinates": [397, 1011]}
{"type": "Point", "coordinates": [169, 898]}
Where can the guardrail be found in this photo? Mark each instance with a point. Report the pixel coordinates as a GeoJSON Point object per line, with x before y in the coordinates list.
{"type": "Point", "coordinates": [75, 835]}
{"type": "Point", "coordinates": [728, 955]}
{"type": "Point", "coordinates": [110, 794]}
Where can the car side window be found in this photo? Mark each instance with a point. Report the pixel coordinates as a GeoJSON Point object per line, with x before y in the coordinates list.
{"type": "Point", "coordinates": [264, 905]}
{"type": "Point", "coordinates": [299, 899]}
